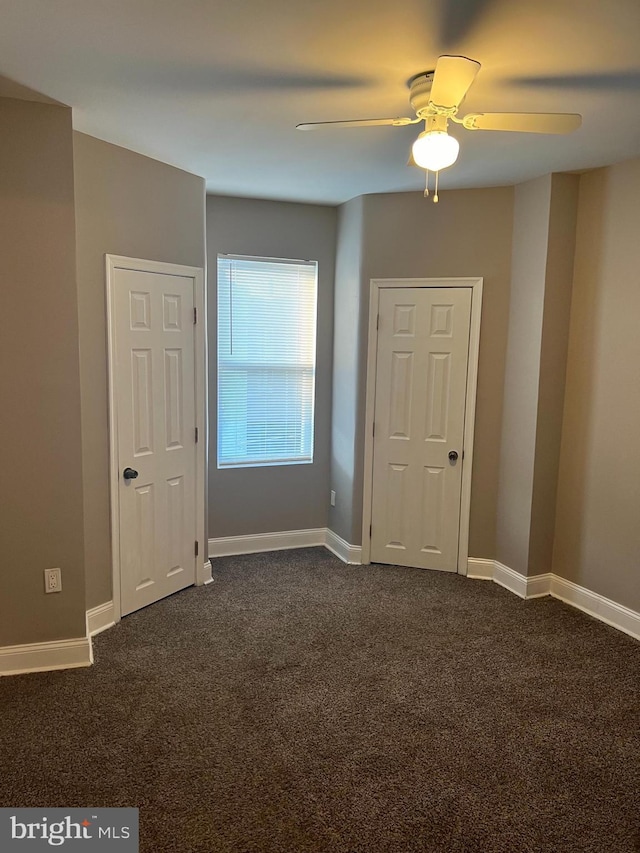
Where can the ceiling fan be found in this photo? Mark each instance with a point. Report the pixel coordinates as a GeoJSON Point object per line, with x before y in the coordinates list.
{"type": "Point", "coordinates": [436, 96]}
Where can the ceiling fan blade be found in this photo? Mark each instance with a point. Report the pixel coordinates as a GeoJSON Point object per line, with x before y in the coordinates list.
{"type": "Point", "coordinates": [451, 80]}
{"type": "Point", "coordinates": [360, 122]}
{"type": "Point", "coordinates": [524, 122]}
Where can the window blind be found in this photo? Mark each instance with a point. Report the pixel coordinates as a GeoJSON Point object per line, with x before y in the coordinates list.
{"type": "Point", "coordinates": [266, 360]}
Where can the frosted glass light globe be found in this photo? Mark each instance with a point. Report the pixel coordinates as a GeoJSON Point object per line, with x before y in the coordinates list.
{"type": "Point", "coordinates": [435, 150]}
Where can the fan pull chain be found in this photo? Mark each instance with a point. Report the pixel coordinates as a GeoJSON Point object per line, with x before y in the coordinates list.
{"type": "Point", "coordinates": [426, 189]}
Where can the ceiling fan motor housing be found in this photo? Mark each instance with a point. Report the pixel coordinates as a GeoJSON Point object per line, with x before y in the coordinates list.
{"type": "Point", "coordinates": [420, 91]}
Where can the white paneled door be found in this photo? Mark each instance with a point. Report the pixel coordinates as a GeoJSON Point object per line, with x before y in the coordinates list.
{"type": "Point", "coordinates": [153, 322]}
{"type": "Point", "coordinates": [421, 381]}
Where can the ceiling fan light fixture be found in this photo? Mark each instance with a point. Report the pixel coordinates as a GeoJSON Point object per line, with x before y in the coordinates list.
{"type": "Point", "coordinates": [435, 150]}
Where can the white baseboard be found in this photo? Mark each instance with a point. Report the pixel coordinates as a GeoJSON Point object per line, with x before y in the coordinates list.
{"type": "Point", "coordinates": [351, 554]}
{"type": "Point", "coordinates": [203, 573]}
{"type": "Point", "coordinates": [478, 569]}
{"type": "Point", "coordinates": [100, 618]}
{"type": "Point", "coordinates": [506, 577]}
{"type": "Point", "coordinates": [596, 605]}
{"type": "Point", "coordinates": [44, 657]}
{"type": "Point", "coordinates": [228, 546]}
{"type": "Point", "coordinates": [207, 577]}
{"type": "Point", "coordinates": [539, 585]}
{"type": "Point", "coordinates": [536, 586]}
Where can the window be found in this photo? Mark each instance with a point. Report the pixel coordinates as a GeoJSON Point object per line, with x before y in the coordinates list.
{"type": "Point", "coordinates": [266, 360]}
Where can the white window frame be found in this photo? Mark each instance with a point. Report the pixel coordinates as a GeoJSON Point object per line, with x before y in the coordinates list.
{"type": "Point", "coordinates": [267, 463]}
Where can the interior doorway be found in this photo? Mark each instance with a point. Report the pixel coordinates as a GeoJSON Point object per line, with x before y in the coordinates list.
{"type": "Point", "coordinates": [157, 429]}
{"type": "Point", "coordinates": [421, 387]}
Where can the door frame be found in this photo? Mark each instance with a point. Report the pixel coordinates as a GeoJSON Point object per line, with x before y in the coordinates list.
{"type": "Point", "coordinates": [377, 284]}
{"type": "Point", "coordinates": [117, 262]}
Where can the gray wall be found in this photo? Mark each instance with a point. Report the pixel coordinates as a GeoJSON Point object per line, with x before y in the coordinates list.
{"type": "Point", "coordinates": [347, 330]}
{"type": "Point", "coordinates": [41, 521]}
{"type": "Point", "coordinates": [126, 204]}
{"type": "Point", "coordinates": [563, 212]}
{"type": "Point", "coordinates": [405, 235]}
{"type": "Point", "coordinates": [542, 275]}
{"type": "Point", "coordinates": [290, 497]}
{"type": "Point", "coordinates": [597, 532]}
{"type": "Point", "coordinates": [517, 453]}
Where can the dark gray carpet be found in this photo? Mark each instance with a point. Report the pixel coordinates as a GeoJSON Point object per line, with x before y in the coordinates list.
{"type": "Point", "coordinates": [299, 704]}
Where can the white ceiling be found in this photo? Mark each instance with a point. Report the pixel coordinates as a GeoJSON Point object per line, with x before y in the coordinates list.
{"type": "Point", "coordinates": [217, 86]}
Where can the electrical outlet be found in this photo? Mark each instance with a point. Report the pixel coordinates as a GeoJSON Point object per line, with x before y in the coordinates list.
{"type": "Point", "coordinates": [333, 498]}
{"type": "Point", "coordinates": [53, 580]}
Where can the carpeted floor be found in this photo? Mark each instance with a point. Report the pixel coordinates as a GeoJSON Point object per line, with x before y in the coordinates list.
{"type": "Point", "coordinates": [298, 704]}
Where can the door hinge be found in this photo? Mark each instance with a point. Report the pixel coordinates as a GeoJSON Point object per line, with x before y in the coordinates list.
{"type": "Point", "coordinates": [195, 315]}
{"type": "Point", "coordinates": [196, 549]}
{"type": "Point", "coordinates": [196, 435]}
{"type": "Point", "coordinates": [371, 530]}
{"type": "Point", "coordinates": [373, 431]}
{"type": "Point", "coordinates": [378, 322]}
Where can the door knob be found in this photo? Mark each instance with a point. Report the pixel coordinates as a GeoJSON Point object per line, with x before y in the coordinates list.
{"type": "Point", "coordinates": [453, 455]}
{"type": "Point", "coordinates": [129, 474]}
